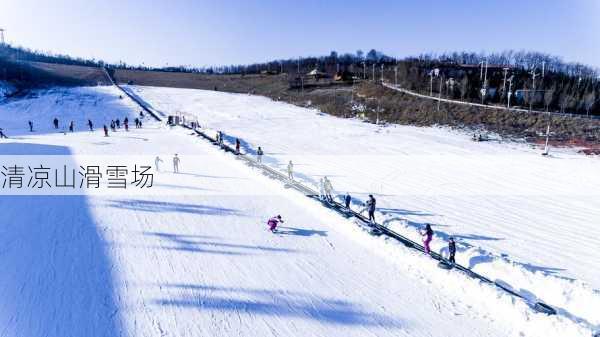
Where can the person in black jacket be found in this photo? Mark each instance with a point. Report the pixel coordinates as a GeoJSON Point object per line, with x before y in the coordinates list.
{"type": "Point", "coordinates": [347, 200]}
{"type": "Point", "coordinates": [371, 206]}
{"type": "Point", "coordinates": [452, 249]}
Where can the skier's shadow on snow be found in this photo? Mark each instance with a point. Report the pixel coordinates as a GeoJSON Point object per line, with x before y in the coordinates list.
{"type": "Point", "coordinates": [265, 302]}
{"type": "Point", "coordinates": [202, 244]}
{"type": "Point", "coordinates": [171, 207]}
{"type": "Point", "coordinates": [299, 231]}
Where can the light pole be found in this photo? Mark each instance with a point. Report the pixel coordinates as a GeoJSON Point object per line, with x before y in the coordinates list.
{"type": "Point", "coordinates": [484, 77]}
{"type": "Point", "coordinates": [510, 82]}
{"type": "Point", "coordinates": [431, 83]}
{"type": "Point", "coordinates": [373, 78]}
{"type": "Point", "coordinates": [439, 95]}
{"type": "Point", "coordinates": [364, 70]}
{"type": "Point", "coordinates": [396, 75]}
{"type": "Point", "coordinates": [531, 96]}
{"type": "Point", "coordinates": [505, 73]}
{"type": "Point", "coordinates": [382, 73]}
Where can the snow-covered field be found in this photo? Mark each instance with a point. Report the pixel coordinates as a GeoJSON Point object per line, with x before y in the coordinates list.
{"type": "Point", "coordinates": [524, 220]}
{"type": "Point", "coordinates": [192, 256]}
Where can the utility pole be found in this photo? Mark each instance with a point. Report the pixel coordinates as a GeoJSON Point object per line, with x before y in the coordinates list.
{"type": "Point", "coordinates": [510, 80]}
{"type": "Point", "coordinates": [396, 75]}
{"type": "Point", "coordinates": [382, 73]}
{"type": "Point", "coordinates": [531, 96]}
{"type": "Point", "coordinates": [298, 65]}
{"type": "Point", "coordinates": [543, 68]}
{"type": "Point", "coordinates": [373, 79]}
{"type": "Point", "coordinates": [504, 85]}
{"type": "Point", "coordinates": [431, 83]}
{"type": "Point", "coordinates": [2, 36]}
{"type": "Point", "coordinates": [364, 70]}
{"type": "Point", "coordinates": [484, 78]}
{"type": "Point", "coordinates": [439, 95]}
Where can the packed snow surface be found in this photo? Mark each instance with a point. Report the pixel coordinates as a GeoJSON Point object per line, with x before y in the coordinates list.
{"type": "Point", "coordinates": [192, 255]}
{"type": "Point", "coordinates": [522, 219]}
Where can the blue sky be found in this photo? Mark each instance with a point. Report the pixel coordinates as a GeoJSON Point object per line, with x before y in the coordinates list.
{"type": "Point", "coordinates": [203, 32]}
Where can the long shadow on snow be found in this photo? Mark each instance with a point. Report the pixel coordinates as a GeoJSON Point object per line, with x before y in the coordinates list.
{"type": "Point", "coordinates": [274, 303]}
{"type": "Point", "coordinates": [299, 231]}
{"type": "Point", "coordinates": [192, 243]}
{"type": "Point", "coordinates": [56, 273]}
{"type": "Point", "coordinates": [172, 207]}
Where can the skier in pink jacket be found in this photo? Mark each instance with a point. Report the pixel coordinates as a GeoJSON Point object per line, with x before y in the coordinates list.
{"type": "Point", "coordinates": [427, 236]}
{"type": "Point", "coordinates": [273, 222]}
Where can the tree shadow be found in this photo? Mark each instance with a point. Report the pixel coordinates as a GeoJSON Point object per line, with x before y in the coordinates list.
{"type": "Point", "coordinates": [193, 243]}
{"type": "Point", "coordinates": [299, 231]}
{"type": "Point", "coordinates": [171, 207]}
{"type": "Point", "coordinates": [57, 276]}
{"type": "Point", "coordinates": [274, 303]}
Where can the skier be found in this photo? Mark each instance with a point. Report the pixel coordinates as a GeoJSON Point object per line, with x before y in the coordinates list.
{"type": "Point", "coordinates": [452, 249]}
{"type": "Point", "coordinates": [427, 237]}
{"type": "Point", "coordinates": [2, 135]}
{"type": "Point", "coordinates": [105, 131]}
{"type": "Point", "coordinates": [55, 123]}
{"type": "Point", "coordinates": [113, 126]}
{"type": "Point", "coordinates": [118, 123]}
{"type": "Point", "coordinates": [175, 164]}
{"type": "Point", "coordinates": [137, 123]}
{"type": "Point", "coordinates": [273, 222]}
{"type": "Point", "coordinates": [126, 126]}
{"type": "Point", "coordinates": [371, 206]}
{"type": "Point", "coordinates": [259, 154]}
{"type": "Point", "coordinates": [71, 126]}
{"type": "Point", "coordinates": [90, 125]}
{"type": "Point", "coordinates": [290, 170]}
{"type": "Point", "coordinates": [220, 138]}
{"type": "Point", "coordinates": [126, 120]}
{"type": "Point", "coordinates": [328, 189]}
{"type": "Point", "coordinates": [157, 161]}
{"type": "Point", "coordinates": [140, 123]}
{"type": "Point", "coordinates": [347, 200]}
{"type": "Point", "coordinates": [141, 113]}
{"type": "Point", "coordinates": [30, 126]}
{"type": "Point", "coordinates": [237, 146]}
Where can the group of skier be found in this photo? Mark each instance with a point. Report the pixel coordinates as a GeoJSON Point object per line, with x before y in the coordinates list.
{"type": "Point", "coordinates": [176, 162]}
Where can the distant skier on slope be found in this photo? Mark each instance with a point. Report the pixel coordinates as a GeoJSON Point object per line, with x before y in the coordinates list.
{"type": "Point", "coordinates": [157, 162]}
{"type": "Point", "coordinates": [105, 131]}
{"type": "Point", "coordinates": [71, 126]}
{"type": "Point", "coordinates": [328, 189]}
{"type": "Point", "coordinates": [2, 135]}
{"type": "Point", "coordinates": [347, 200]}
{"type": "Point", "coordinates": [55, 122]}
{"type": "Point", "coordinates": [290, 170]}
{"type": "Point", "coordinates": [30, 126]}
{"type": "Point", "coordinates": [237, 146]}
{"type": "Point", "coordinates": [175, 164]}
{"type": "Point", "coordinates": [427, 235]}
{"type": "Point", "coordinates": [452, 249]}
{"type": "Point", "coordinates": [273, 222]}
{"type": "Point", "coordinates": [118, 123]}
{"type": "Point", "coordinates": [371, 206]}
{"type": "Point", "coordinates": [90, 125]}
{"type": "Point", "coordinates": [259, 154]}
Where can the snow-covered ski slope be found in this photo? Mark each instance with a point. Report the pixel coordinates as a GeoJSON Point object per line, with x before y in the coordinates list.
{"type": "Point", "coordinates": [526, 221]}
{"type": "Point", "coordinates": [193, 256]}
